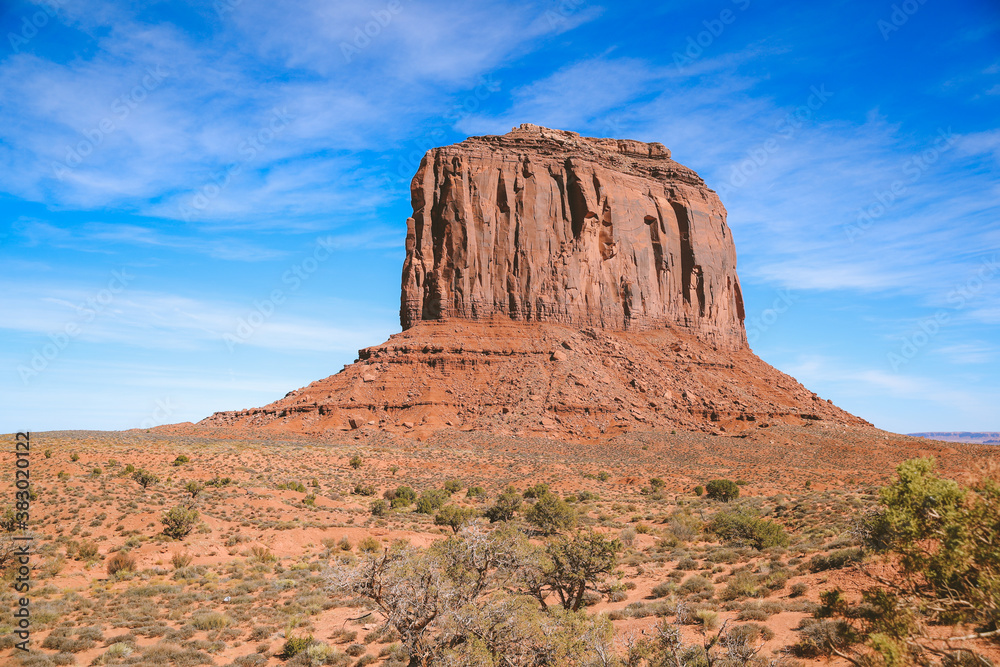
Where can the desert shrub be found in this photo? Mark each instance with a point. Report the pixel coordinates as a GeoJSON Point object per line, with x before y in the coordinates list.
{"type": "Point", "coordinates": [121, 562]}
{"type": "Point", "coordinates": [684, 526]}
{"type": "Point", "coordinates": [664, 589]}
{"type": "Point", "coordinates": [835, 560]}
{"type": "Point", "coordinates": [699, 490]}
{"type": "Point", "coordinates": [179, 521]}
{"type": "Point", "coordinates": [939, 537]}
{"type": "Point", "coordinates": [742, 584]}
{"type": "Point", "coordinates": [310, 500]}
{"type": "Point", "coordinates": [180, 559]}
{"type": "Point", "coordinates": [402, 496]}
{"type": "Point", "coordinates": [369, 545]}
{"type": "Point", "coordinates": [744, 527]}
{"type": "Point", "coordinates": [219, 482]}
{"type": "Point", "coordinates": [454, 516]}
{"type": "Point", "coordinates": [696, 584]}
{"type": "Point", "coordinates": [536, 491]}
{"type": "Point", "coordinates": [475, 492]}
{"type": "Point", "coordinates": [194, 488]}
{"type": "Point", "coordinates": [295, 645]}
{"type": "Point", "coordinates": [505, 507]}
{"type": "Point", "coordinates": [180, 460]}
{"type": "Point", "coordinates": [707, 618]}
{"type": "Point", "coordinates": [379, 507]}
{"type": "Point", "coordinates": [364, 489]}
{"type": "Point", "coordinates": [355, 462]}
{"type": "Point", "coordinates": [551, 514]}
{"type": "Point", "coordinates": [687, 564]}
{"type": "Point", "coordinates": [627, 536]}
{"type": "Point", "coordinates": [431, 501]}
{"type": "Point", "coordinates": [798, 590]}
{"type": "Point", "coordinates": [145, 478]}
{"type": "Point", "coordinates": [87, 550]}
{"type": "Point", "coordinates": [453, 486]}
{"type": "Point", "coordinates": [261, 554]}
{"type": "Point", "coordinates": [818, 638]}
{"type": "Point", "coordinates": [657, 484]}
{"type": "Point", "coordinates": [722, 489]}
{"type": "Point", "coordinates": [212, 620]}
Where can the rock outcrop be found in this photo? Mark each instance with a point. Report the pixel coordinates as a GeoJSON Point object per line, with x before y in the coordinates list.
{"type": "Point", "coordinates": [543, 225]}
{"type": "Point", "coordinates": [561, 286]}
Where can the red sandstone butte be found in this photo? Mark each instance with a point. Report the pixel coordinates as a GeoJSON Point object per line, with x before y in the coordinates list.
{"type": "Point", "coordinates": [563, 286]}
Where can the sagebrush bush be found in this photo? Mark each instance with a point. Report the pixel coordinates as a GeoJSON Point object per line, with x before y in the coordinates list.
{"type": "Point", "coordinates": [121, 562]}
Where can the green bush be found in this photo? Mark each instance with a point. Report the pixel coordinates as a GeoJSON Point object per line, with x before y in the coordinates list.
{"type": "Point", "coordinates": [722, 489]}
{"type": "Point", "coordinates": [699, 490]}
{"type": "Point", "coordinates": [744, 527]}
{"type": "Point", "coordinates": [379, 507]}
{"type": "Point", "coordinates": [536, 491]}
{"type": "Point", "coordinates": [454, 516]}
{"type": "Point", "coordinates": [505, 507]}
{"type": "Point", "coordinates": [402, 496]}
{"type": "Point", "coordinates": [355, 462]}
{"type": "Point", "coordinates": [180, 460]}
{"type": "Point", "coordinates": [835, 560]}
{"type": "Point", "coordinates": [179, 521]}
{"type": "Point", "coordinates": [551, 514]}
{"type": "Point", "coordinates": [475, 492]}
{"type": "Point", "coordinates": [295, 645]}
{"type": "Point", "coordinates": [453, 486]}
{"type": "Point", "coordinates": [145, 478]}
{"type": "Point", "coordinates": [431, 501]}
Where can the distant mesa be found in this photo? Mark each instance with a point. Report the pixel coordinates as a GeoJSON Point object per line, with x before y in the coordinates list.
{"type": "Point", "coordinates": [561, 286]}
{"type": "Point", "coordinates": [981, 437]}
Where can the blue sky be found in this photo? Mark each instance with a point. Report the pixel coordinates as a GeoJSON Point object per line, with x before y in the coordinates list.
{"type": "Point", "coordinates": [203, 204]}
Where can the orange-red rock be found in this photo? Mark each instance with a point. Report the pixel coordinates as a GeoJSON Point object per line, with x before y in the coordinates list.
{"type": "Point", "coordinates": [543, 225]}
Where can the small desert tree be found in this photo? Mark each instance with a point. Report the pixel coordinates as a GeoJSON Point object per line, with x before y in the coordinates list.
{"type": "Point", "coordinates": [505, 507]}
{"type": "Point", "coordinates": [722, 489]}
{"type": "Point", "coordinates": [145, 478]}
{"type": "Point", "coordinates": [551, 514]}
{"type": "Point", "coordinates": [454, 516]}
{"type": "Point", "coordinates": [179, 521]}
{"type": "Point", "coordinates": [459, 600]}
{"type": "Point", "coordinates": [574, 565]}
{"type": "Point", "coordinates": [940, 538]}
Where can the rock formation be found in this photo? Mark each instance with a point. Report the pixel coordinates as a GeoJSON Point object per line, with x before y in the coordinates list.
{"type": "Point", "coordinates": [543, 225]}
{"type": "Point", "coordinates": [563, 286]}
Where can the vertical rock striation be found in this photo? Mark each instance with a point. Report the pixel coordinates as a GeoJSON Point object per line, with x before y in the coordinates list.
{"type": "Point", "coordinates": [543, 225]}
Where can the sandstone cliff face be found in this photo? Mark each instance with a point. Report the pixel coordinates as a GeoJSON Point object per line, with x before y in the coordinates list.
{"type": "Point", "coordinates": [543, 225]}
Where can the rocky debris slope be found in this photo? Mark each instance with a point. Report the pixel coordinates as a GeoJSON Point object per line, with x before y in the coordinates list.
{"type": "Point", "coordinates": [543, 225]}
{"type": "Point", "coordinates": [551, 379]}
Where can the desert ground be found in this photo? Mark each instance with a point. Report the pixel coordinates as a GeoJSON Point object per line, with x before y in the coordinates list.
{"type": "Point", "coordinates": [108, 586]}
